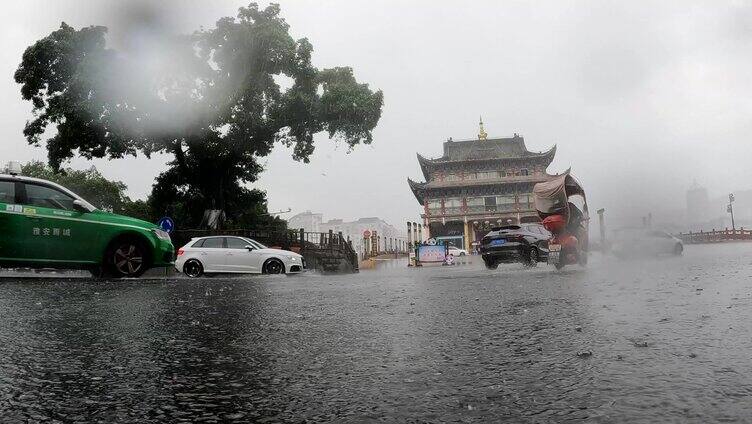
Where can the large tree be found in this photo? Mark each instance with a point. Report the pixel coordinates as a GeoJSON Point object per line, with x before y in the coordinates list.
{"type": "Point", "coordinates": [217, 100]}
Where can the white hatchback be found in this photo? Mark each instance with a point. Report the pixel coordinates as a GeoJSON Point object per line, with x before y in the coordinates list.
{"type": "Point", "coordinates": [231, 254]}
{"type": "Point", "coordinates": [456, 251]}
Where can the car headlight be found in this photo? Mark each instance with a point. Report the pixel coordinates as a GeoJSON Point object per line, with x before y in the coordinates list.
{"type": "Point", "coordinates": [292, 258]}
{"type": "Point", "coordinates": [161, 234]}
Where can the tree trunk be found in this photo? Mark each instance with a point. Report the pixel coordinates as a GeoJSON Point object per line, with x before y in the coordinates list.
{"type": "Point", "coordinates": [179, 155]}
{"type": "Point", "coordinates": [221, 193]}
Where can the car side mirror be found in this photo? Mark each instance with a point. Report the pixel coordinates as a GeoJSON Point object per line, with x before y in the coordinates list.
{"type": "Point", "coordinates": [79, 206]}
{"type": "Point", "coordinates": [248, 247]}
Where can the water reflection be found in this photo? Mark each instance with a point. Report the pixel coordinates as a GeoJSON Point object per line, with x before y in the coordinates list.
{"type": "Point", "coordinates": [656, 341]}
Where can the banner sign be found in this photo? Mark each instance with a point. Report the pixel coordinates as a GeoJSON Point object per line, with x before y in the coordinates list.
{"type": "Point", "coordinates": [431, 253]}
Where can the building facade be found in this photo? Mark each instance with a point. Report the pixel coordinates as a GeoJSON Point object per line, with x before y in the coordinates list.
{"type": "Point", "coordinates": [698, 205]}
{"type": "Point", "coordinates": [389, 238]}
{"type": "Point", "coordinates": [308, 220]}
{"type": "Point", "coordinates": [479, 184]}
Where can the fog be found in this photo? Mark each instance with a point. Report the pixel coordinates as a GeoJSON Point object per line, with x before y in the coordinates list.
{"type": "Point", "coordinates": [641, 98]}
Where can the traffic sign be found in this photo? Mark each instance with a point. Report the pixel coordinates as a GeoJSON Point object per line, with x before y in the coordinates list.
{"type": "Point", "coordinates": [167, 224]}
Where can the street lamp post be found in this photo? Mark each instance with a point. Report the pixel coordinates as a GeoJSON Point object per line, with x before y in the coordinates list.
{"type": "Point", "coordinates": [602, 226]}
{"type": "Point", "coordinates": [730, 209]}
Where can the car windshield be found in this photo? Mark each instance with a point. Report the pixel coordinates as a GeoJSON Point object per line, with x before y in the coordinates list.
{"type": "Point", "coordinates": [255, 244]}
{"type": "Point", "coordinates": [633, 234]}
{"type": "Point", "coordinates": [507, 228]}
{"type": "Point", "coordinates": [48, 197]}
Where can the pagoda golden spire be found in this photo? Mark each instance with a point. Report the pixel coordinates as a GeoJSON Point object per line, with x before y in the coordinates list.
{"type": "Point", "coordinates": [482, 132]}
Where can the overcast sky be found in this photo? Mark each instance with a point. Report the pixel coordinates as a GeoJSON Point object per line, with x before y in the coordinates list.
{"type": "Point", "coordinates": [641, 98]}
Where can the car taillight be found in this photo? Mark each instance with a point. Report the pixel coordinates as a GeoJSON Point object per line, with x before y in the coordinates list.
{"type": "Point", "coordinates": [180, 252]}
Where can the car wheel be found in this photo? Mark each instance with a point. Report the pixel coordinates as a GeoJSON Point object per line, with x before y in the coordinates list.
{"type": "Point", "coordinates": [273, 266]}
{"type": "Point", "coordinates": [462, 253]}
{"type": "Point", "coordinates": [97, 271]}
{"type": "Point", "coordinates": [490, 263]}
{"type": "Point", "coordinates": [559, 265]}
{"type": "Point", "coordinates": [532, 258]}
{"type": "Point", "coordinates": [193, 268]}
{"type": "Point", "coordinates": [678, 249]}
{"type": "Point", "coordinates": [127, 257]}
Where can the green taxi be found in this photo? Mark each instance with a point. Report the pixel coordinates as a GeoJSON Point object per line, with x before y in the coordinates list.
{"type": "Point", "coordinates": [43, 224]}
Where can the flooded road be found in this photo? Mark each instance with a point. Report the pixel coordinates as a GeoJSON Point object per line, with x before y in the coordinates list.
{"type": "Point", "coordinates": [638, 341]}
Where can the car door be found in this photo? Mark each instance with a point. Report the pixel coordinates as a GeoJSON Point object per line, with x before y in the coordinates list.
{"type": "Point", "coordinates": [239, 258]}
{"type": "Point", "coordinates": [211, 253]}
{"type": "Point", "coordinates": [664, 242]}
{"type": "Point", "coordinates": [13, 236]}
{"type": "Point", "coordinates": [57, 231]}
{"type": "Point", "coordinates": [259, 255]}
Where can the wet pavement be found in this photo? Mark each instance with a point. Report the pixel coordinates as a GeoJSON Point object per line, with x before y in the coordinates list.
{"type": "Point", "coordinates": [657, 340]}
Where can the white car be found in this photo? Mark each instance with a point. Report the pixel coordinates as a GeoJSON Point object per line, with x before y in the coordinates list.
{"type": "Point", "coordinates": [641, 242]}
{"type": "Point", "coordinates": [456, 251]}
{"type": "Point", "coordinates": [231, 254]}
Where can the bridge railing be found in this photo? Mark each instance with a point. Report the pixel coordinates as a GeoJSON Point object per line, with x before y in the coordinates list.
{"type": "Point", "coordinates": [716, 236]}
{"type": "Point", "coordinates": [331, 243]}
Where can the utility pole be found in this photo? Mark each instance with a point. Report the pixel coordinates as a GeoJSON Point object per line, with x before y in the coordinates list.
{"type": "Point", "coordinates": [730, 209]}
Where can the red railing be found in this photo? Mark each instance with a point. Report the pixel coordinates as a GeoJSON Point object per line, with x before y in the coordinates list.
{"type": "Point", "coordinates": [716, 236]}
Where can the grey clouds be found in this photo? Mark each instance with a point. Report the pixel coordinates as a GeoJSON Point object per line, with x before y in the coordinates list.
{"type": "Point", "coordinates": [641, 98]}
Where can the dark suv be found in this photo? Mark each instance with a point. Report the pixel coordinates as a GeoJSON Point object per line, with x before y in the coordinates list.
{"type": "Point", "coordinates": [526, 243]}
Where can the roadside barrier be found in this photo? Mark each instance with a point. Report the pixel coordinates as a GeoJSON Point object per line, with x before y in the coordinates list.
{"type": "Point", "coordinates": [716, 236]}
{"type": "Point", "coordinates": [461, 260]}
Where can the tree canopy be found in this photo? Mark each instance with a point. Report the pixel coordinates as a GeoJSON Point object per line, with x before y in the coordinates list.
{"type": "Point", "coordinates": [217, 100]}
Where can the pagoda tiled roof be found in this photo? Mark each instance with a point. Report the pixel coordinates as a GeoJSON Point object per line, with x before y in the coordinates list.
{"type": "Point", "coordinates": [479, 183]}
{"type": "Point", "coordinates": [504, 149]}
{"type": "Point", "coordinates": [421, 189]}
{"type": "Point", "coordinates": [417, 188]}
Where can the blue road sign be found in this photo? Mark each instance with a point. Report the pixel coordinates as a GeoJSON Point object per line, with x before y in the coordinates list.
{"type": "Point", "coordinates": [167, 224]}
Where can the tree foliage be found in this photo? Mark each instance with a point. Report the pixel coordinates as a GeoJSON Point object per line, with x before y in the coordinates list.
{"type": "Point", "coordinates": [218, 100]}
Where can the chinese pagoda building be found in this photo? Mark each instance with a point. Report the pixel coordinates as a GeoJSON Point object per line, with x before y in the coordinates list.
{"type": "Point", "coordinates": [479, 184]}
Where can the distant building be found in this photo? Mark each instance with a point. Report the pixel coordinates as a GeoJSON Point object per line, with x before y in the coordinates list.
{"type": "Point", "coordinates": [698, 206]}
{"type": "Point", "coordinates": [355, 229]}
{"type": "Point", "coordinates": [308, 220]}
{"type": "Point", "coordinates": [478, 184]}
{"type": "Point", "coordinates": [390, 237]}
